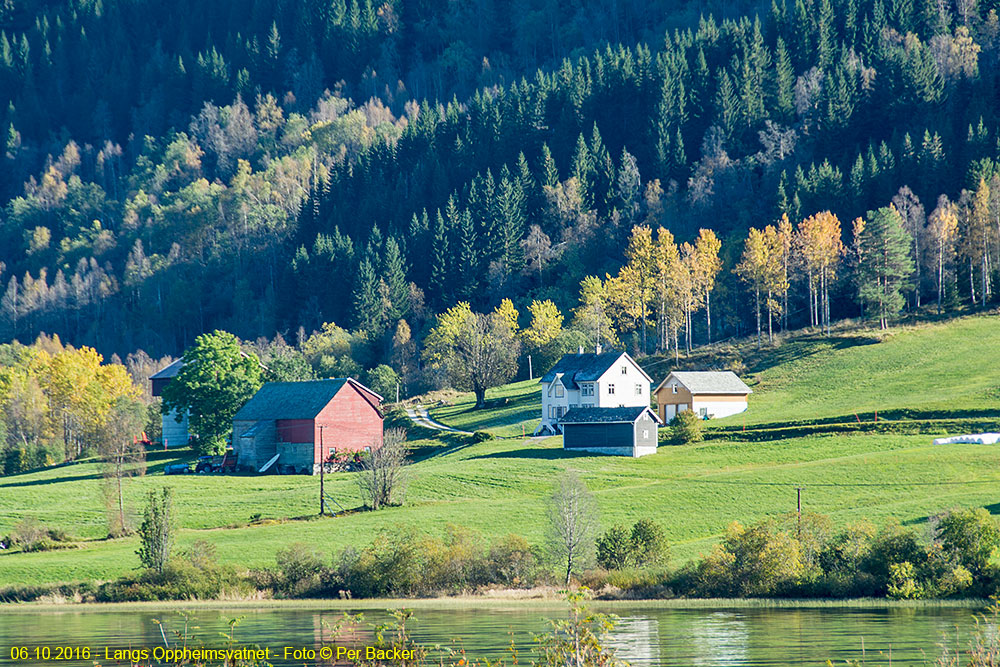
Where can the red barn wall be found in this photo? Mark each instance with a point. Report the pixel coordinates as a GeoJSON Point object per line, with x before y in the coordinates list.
{"type": "Point", "coordinates": [350, 422]}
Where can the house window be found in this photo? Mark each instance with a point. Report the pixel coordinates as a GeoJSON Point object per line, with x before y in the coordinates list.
{"type": "Point", "coordinates": [674, 387]}
{"type": "Point", "coordinates": [703, 412]}
{"type": "Point", "coordinates": [624, 370]}
{"type": "Point", "coordinates": [587, 389]}
{"type": "Point", "coordinates": [611, 389]}
{"type": "Point", "coordinates": [638, 390]}
{"type": "Point", "coordinates": [559, 391]}
{"type": "Point", "coordinates": [645, 434]}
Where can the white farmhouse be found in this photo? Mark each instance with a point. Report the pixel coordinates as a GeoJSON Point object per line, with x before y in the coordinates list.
{"type": "Point", "coordinates": [591, 380]}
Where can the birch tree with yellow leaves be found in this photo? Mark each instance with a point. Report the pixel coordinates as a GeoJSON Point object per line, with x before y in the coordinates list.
{"type": "Point", "coordinates": [819, 247]}
{"type": "Point", "coordinates": [942, 230]}
{"type": "Point", "coordinates": [705, 267]}
{"type": "Point", "coordinates": [760, 266]}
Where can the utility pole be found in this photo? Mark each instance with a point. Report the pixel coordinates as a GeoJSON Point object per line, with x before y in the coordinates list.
{"type": "Point", "coordinates": [322, 470]}
{"type": "Point", "coordinates": [530, 374]}
{"type": "Point", "coordinates": [798, 509]}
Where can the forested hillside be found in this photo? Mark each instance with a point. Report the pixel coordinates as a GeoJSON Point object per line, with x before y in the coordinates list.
{"type": "Point", "coordinates": [269, 167]}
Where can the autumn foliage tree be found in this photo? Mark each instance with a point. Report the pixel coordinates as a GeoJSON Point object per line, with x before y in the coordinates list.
{"type": "Point", "coordinates": [475, 351]}
{"type": "Point", "coordinates": [942, 230]}
{"type": "Point", "coordinates": [819, 248]}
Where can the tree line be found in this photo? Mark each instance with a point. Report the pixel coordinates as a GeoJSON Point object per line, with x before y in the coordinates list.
{"type": "Point", "coordinates": [260, 212]}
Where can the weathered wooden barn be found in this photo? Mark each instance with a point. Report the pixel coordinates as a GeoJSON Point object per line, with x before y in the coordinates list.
{"type": "Point", "coordinates": [628, 431]}
{"type": "Point", "coordinates": [174, 430]}
{"type": "Point", "coordinates": [305, 423]}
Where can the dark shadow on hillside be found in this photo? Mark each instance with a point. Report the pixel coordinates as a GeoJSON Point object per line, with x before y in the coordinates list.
{"type": "Point", "coordinates": [517, 406]}
{"type": "Point", "coordinates": [43, 482]}
{"type": "Point", "coordinates": [885, 417]}
{"type": "Point", "coordinates": [449, 443]}
{"type": "Point", "coordinates": [762, 360]}
{"type": "Point", "coordinates": [537, 454]}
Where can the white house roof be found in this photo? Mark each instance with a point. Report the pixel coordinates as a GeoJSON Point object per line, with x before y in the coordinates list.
{"type": "Point", "coordinates": [585, 367]}
{"type": "Point", "coordinates": [709, 382]}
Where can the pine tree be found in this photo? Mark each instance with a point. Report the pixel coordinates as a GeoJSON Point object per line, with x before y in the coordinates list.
{"type": "Point", "coordinates": [884, 264]}
{"type": "Point", "coordinates": [582, 171]}
{"type": "Point", "coordinates": [394, 274]}
{"type": "Point", "coordinates": [549, 172]}
{"type": "Point", "coordinates": [370, 310]}
{"type": "Point", "coordinates": [441, 268]}
{"type": "Point", "coordinates": [784, 81]}
{"type": "Point", "coordinates": [467, 270]}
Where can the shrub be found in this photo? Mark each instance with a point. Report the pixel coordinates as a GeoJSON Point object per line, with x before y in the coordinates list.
{"type": "Point", "coordinates": [614, 548]}
{"type": "Point", "coordinates": [299, 570]}
{"type": "Point", "coordinates": [31, 535]}
{"type": "Point", "coordinates": [179, 580]}
{"type": "Point", "coordinates": [481, 436]}
{"type": "Point", "coordinates": [511, 561]}
{"type": "Point", "coordinates": [971, 536]}
{"type": "Point", "coordinates": [894, 544]}
{"type": "Point", "coordinates": [752, 561]}
{"type": "Point", "coordinates": [644, 545]}
{"type": "Point", "coordinates": [156, 531]}
{"type": "Point", "coordinates": [686, 428]}
{"type": "Point", "coordinates": [649, 543]}
{"type": "Point", "coordinates": [902, 582]}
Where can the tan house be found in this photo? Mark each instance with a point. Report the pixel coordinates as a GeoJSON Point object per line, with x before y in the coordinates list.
{"type": "Point", "coordinates": [707, 393]}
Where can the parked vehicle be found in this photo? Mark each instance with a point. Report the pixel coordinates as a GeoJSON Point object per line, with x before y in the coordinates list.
{"type": "Point", "coordinates": [216, 464]}
{"type": "Point", "coordinates": [178, 469]}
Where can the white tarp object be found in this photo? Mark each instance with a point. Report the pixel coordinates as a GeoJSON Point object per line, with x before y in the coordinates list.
{"type": "Point", "coordinates": [974, 439]}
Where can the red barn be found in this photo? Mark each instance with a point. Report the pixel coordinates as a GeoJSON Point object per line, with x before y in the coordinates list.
{"type": "Point", "coordinates": [304, 423]}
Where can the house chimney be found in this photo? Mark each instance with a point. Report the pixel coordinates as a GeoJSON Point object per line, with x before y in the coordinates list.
{"type": "Point", "coordinates": [580, 351]}
{"type": "Point", "coordinates": [597, 348]}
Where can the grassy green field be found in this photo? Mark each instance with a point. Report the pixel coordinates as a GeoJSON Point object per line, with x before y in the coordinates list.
{"type": "Point", "coordinates": [500, 486]}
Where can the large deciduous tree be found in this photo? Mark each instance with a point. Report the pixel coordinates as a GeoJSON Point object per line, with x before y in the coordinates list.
{"type": "Point", "coordinates": [573, 523]}
{"type": "Point", "coordinates": [122, 457]}
{"type": "Point", "coordinates": [476, 351]}
{"type": "Point", "coordinates": [216, 380]}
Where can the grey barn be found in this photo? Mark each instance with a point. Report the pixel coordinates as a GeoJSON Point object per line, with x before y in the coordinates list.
{"type": "Point", "coordinates": [618, 431]}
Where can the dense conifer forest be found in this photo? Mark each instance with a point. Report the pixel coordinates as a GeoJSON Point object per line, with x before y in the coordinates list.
{"type": "Point", "coordinates": [268, 168]}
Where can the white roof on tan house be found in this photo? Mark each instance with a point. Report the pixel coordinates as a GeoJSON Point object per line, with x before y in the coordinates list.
{"type": "Point", "coordinates": [708, 382]}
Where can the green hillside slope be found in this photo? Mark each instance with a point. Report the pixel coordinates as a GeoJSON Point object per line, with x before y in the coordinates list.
{"type": "Point", "coordinates": [500, 486]}
{"type": "Point", "coordinates": [934, 369]}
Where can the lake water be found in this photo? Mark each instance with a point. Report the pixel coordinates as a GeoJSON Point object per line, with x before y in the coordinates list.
{"type": "Point", "coordinates": [644, 635]}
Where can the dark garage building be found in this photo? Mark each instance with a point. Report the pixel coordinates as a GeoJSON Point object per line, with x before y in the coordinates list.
{"type": "Point", "coordinates": [618, 431]}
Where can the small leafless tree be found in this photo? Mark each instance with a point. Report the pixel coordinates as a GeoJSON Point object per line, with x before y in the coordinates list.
{"type": "Point", "coordinates": [382, 479]}
{"type": "Point", "coordinates": [122, 457]}
{"type": "Point", "coordinates": [573, 522]}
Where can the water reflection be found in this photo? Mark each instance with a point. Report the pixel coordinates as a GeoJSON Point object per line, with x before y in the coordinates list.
{"type": "Point", "coordinates": [720, 639]}
{"type": "Point", "coordinates": [636, 639]}
{"type": "Point", "coordinates": [645, 636]}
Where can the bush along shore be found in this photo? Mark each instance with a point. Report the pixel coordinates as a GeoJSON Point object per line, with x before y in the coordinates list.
{"type": "Point", "coordinates": [950, 556]}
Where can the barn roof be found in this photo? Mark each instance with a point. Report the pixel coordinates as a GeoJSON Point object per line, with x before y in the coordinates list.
{"type": "Point", "coordinates": [290, 400]}
{"type": "Point", "coordinates": [605, 415]}
{"type": "Point", "coordinates": [585, 367]}
{"type": "Point", "coordinates": [709, 382]}
{"type": "Point", "coordinates": [168, 371]}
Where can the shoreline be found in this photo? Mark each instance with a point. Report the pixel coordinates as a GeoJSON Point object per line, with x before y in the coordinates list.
{"type": "Point", "coordinates": [492, 603]}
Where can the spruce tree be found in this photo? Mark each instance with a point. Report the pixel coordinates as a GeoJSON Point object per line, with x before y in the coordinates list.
{"type": "Point", "coordinates": [440, 263]}
{"type": "Point", "coordinates": [394, 275]}
{"type": "Point", "coordinates": [884, 264]}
